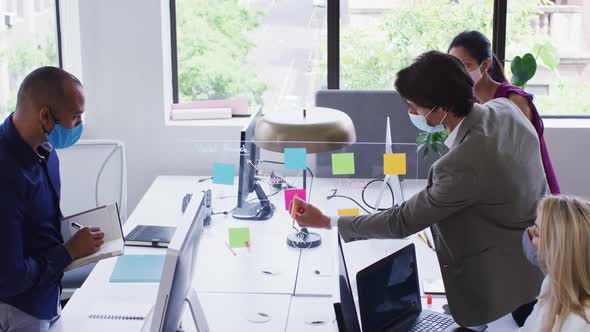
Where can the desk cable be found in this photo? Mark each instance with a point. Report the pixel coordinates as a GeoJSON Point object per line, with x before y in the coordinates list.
{"type": "Point", "coordinates": [336, 195]}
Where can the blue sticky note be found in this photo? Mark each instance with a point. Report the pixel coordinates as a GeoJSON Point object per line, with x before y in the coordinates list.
{"type": "Point", "coordinates": [223, 173]}
{"type": "Point", "coordinates": [138, 268]}
{"type": "Point", "coordinates": [295, 158]}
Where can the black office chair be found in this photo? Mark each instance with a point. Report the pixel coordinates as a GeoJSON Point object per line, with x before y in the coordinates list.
{"type": "Point", "coordinates": [73, 280]}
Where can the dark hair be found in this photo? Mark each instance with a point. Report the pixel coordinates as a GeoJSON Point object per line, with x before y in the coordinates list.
{"type": "Point", "coordinates": [437, 79]}
{"type": "Point", "coordinates": [480, 48]}
{"type": "Point", "coordinates": [45, 85]}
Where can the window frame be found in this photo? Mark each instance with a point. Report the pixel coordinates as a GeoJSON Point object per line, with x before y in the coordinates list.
{"type": "Point", "coordinates": [174, 52]}
{"type": "Point", "coordinates": [59, 40]}
{"type": "Point", "coordinates": [499, 22]}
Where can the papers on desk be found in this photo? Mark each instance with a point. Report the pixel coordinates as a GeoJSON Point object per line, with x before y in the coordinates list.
{"type": "Point", "coordinates": [433, 286]}
{"type": "Point", "coordinates": [107, 219]}
{"type": "Point", "coordinates": [138, 268]}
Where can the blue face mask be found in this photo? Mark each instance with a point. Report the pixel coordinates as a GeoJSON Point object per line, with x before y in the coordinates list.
{"type": "Point", "coordinates": [61, 137]}
{"type": "Point", "coordinates": [419, 121]}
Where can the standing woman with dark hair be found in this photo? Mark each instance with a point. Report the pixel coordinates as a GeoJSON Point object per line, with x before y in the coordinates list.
{"type": "Point", "coordinates": [475, 51]}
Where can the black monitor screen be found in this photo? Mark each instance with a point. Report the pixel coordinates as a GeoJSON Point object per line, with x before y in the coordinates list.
{"type": "Point", "coordinates": [345, 310]}
{"type": "Point", "coordinates": [249, 153]}
{"type": "Point", "coordinates": [388, 290]}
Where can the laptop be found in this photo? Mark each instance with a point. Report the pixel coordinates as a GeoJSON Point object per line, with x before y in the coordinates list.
{"type": "Point", "coordinates": [344, 308]}
{"type": "Point", "coordinates": [150, 236]}
{"type": "Point", "coordinates": [389, 297]}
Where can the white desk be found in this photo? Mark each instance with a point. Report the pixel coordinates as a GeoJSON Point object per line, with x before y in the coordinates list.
{"type": "Point", "coordinates": [233, 288]}
{"type": "Point", "coordinates": [311, 313]}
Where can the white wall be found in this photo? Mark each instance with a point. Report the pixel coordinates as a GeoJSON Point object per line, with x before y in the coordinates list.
{"type": "Point", "coordinates": [126, 71]}
{"type": "Point", "coordinates": [569, 150]}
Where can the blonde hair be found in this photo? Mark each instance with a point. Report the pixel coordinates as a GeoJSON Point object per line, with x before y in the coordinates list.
{"type": "Point", "coordinates": [564, 254]}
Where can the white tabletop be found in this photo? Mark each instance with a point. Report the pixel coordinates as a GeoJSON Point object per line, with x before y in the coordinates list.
{"type": "Point", "coordinates": [233, 289]}
{"type": "Point", "coordinates": [308, 313]}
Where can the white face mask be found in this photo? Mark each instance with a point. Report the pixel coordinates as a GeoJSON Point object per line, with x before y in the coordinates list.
{"type": "Point", "coordinates": [476, 74]}
{"type": "Point", "coordinates": [419, 121]}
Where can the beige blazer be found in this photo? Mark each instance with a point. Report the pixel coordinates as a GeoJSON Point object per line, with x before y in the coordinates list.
{"type": "Point", "coordinates": [479, 199]}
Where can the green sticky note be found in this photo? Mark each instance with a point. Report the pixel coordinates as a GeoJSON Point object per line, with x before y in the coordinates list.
{"type": "Point", "coordinates": [238, 236]}
{"type": "Point", "coordinates": [342, 163]}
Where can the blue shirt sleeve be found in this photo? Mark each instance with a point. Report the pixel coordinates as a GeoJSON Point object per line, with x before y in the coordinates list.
{"type": "Point", "coordinates": [20, 272]}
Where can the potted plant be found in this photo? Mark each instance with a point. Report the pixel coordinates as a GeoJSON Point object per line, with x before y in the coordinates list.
{"type": "Point", "coordinates": [432, 142]}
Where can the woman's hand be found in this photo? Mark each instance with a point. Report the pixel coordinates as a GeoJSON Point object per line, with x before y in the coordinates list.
{"type": "Point", "coordinates": [533, 232]}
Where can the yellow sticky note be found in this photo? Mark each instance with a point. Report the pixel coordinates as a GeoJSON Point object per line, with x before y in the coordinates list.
{"type": "Point", "coordinates": [394, 164]}
{"type": "Point", "coordinates": [348, 212]}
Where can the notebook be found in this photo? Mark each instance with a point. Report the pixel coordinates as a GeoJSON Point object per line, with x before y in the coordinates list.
{"type": "Point", "coordinates": [118, 315]}
{"type": "Point", "coordinates": [150, 236]}
{"type": "Point", "coordinates": [107, 219]}
{"type": "Point", "coordinates": [138, 268]}
{"type": "Point", "coordinates": [433, 286]}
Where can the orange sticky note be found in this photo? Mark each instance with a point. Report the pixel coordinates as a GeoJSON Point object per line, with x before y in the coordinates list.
{"type": "Point", "coordinates": [348, 212]}
{"type": "Point", "coordinates": [394, 164]}
{"type": "Point", "coordinates": [296, 208]}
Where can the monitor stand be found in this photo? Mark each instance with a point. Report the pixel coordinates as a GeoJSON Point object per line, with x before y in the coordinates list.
{"type": "Point", "coordinates": [262, 209]}
{"type": "Point", "coordinates": [253, 211]}
{"type": "Point", "coordinates": [197, 313]}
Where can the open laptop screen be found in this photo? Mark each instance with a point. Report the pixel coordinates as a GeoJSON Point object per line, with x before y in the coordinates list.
{"type": "Point", "coordinates": [388, 290]}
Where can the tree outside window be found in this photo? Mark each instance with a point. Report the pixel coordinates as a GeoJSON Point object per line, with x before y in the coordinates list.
{"type": "Point", "coordinates": [380, 37]}
{"type": "Point", "coordinates": [28, 40]}
{"type": "Point", "coordinates": [266, 51]}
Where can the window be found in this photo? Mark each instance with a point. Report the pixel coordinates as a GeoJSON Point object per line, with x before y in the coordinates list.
{"type": "Point", "coordinates": [378, 38]}
{"type": "Point", "coordinates": [268, 52]}
{"type": "Point", "coordinates": [556, 33]}
{"type": "Point", "coordinates": [25, 44]}
{"type": "Point", "coordinates": [9, 6]}
{"type": "Point", "coordinates": [276, 53]}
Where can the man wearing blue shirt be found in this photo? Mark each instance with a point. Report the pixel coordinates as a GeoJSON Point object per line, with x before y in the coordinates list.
{"type": "Point", "coordinates": [33, 257]}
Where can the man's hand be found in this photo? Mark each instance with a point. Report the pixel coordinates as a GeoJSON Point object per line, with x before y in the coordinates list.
{"type": "Point", "coordinates": [534, 235]}
{"type": "Point", "coordinates": [85, 242]}
{"type": "Point", "coordinates": [308, 215]}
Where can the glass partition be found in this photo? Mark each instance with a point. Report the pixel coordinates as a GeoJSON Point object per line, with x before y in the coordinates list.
{"type": "Point", "coordinates": [244, 172]}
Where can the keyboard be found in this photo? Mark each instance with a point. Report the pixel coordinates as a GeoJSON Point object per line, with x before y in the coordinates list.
{"type": "Point", "coordinates": [432, 323]}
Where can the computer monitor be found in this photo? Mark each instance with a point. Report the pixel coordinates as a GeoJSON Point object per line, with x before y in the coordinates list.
{"type": "Point", "coordinates": [344, 308]}
{"type": "Point", "coordinates": [177, 275]}
{"type": "Point", "coordinates": [259, 208]}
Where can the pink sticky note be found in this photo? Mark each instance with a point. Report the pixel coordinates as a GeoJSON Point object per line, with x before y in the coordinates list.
{"type": "Point", "coordinates": [290, 193]}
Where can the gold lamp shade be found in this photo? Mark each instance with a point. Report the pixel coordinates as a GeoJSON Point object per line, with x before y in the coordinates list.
{"type": "Point", "coordinates": [318, 129]}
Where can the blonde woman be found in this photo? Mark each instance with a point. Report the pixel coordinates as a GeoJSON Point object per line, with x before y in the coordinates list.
{"type": "Point", "coordinates": [563, 239]}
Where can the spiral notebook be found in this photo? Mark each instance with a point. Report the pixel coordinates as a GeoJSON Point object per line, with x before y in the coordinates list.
{"type": "Point", "coordinates": [118, 315]}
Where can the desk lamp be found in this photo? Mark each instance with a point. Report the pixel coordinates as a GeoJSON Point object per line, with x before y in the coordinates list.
{"type": "Point", "coordinates": [317, 129]}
